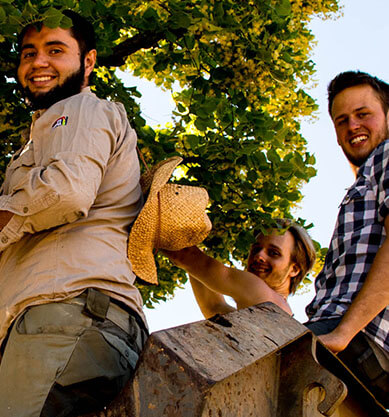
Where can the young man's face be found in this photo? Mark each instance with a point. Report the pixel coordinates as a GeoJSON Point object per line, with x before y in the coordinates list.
{"type": "Point", "coordinates": [51, 66]}
{"type": "Point", "coordinates": [360, 122]}
{"type": "Point", "coordinates": [270, 259]}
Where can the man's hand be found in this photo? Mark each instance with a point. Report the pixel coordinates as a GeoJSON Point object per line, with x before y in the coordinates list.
{"type": "Point", "coordinates": [5, 217]}
{"type": "Point", "coordinates": [182, 258]}
{"type": "Point", "coordinates": [367, 303]}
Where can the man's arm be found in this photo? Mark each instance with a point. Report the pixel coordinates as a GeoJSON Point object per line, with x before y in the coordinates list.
{"type": "Point", "coordinates": [210, 302]}
{"type": "Point", "coordinates": [64, 171]}
{"type": "Point", "coordinates": [243, 286]}
{"type": "Point", "coordinates": [370, 301]}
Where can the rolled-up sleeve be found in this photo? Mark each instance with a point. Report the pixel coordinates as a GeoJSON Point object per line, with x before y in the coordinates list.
{"type": "Point", "coordinates": [56, 181]}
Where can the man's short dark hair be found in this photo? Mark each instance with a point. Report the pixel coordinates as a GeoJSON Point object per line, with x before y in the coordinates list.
{"type": "Point", "coordinates": [353, 78]}
{"type": "Point", "coordinates": [82, 31]}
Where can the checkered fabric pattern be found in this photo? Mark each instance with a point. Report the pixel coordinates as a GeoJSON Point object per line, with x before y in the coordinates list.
{"type": "Point", "coordinates": [359, 232]}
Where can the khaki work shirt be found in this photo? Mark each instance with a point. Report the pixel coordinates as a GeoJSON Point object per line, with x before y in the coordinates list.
{"type": "Point", "coordinates": [74, 191]}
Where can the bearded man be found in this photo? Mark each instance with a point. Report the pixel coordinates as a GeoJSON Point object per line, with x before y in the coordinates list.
{"type": "Point", "coordinates": [71, 319]}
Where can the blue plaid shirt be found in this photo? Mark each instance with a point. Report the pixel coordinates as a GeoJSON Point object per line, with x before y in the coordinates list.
{"type": "Point", "coordinates": [359, 232]}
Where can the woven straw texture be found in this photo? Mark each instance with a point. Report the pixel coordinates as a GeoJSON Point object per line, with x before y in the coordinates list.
{"type": "Point", "coordinates": [172, 218]}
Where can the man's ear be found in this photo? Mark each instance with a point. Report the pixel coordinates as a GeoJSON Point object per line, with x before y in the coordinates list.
{"type": "Point", "coordinates": [387, 120]}
{"type": "Point", "coordinates": [89, 62]}
{"type": "Point", "coordinates": [295, 270]}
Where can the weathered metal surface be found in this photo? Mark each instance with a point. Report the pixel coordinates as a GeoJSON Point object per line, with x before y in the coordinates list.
{"type": "Point", "coordinates": [299, 374]}
{"type": "Point", "coordinates": [253, 362]}
{"type": "Point", "coordinates": [187, 365]}
{"type": "Point", "coordinates": [360, 401]}
{"type": "Point", "coordinates": [250, 392]}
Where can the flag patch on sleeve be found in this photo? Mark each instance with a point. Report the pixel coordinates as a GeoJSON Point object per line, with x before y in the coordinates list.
{"type": "Point", "coordinates": [62, 121]}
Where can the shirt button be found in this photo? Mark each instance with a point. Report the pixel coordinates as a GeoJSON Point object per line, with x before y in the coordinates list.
{"type": "Point", "coordinates": [126, 353]}
{"type": "Point", "coordinates": [4, 239]}
{"type": "Point", "coordinates": [25, 209]}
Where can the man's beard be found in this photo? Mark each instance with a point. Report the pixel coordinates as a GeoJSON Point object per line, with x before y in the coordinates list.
{"type": "Point", "coordinates": [71, 86]}
{"type": "Point", "coordinates": [382, 135]}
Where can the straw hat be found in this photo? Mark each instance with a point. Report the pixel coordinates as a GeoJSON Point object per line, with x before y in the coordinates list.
{"type": "Point", "coordinates": [172, 218]}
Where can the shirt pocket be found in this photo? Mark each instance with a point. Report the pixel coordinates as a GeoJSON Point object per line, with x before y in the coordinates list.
{"type": "Point", "coordinates": [358, 209]}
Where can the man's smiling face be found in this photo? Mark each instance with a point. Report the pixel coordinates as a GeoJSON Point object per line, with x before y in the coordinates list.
{"type": "Point", "coordinates": [270, 259]}
{"type": "Point", "coordinates": [360, 122]}
{"type": "Point", "coordinates": [51, 66]}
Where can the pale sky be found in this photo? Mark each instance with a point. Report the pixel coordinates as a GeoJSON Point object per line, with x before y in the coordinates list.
{"type": "Point", "coordinates": [355, 41]}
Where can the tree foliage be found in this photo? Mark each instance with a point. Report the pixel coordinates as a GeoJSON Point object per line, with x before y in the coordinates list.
{"type": "Point", "coordinates": [236, 70]}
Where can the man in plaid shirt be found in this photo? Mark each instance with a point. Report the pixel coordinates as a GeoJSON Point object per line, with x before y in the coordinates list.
{"type": "Point", "coordinates": [350, 310]}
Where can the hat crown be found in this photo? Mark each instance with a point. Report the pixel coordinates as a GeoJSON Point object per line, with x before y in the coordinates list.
{"type": "Point", "coordinates": [183, 220]}
{"type": "Point", "coordinates": [173, 217]}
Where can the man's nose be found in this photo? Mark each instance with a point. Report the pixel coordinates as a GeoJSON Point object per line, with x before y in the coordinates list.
{"type": "Point", "coordinates": [354, 123]}
{"type": "Point", "coordinates": [260, 256]}
{"type": "Point", "coordinates": [40, 60]}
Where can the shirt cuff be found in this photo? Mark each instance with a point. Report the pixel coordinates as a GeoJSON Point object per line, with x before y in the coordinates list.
{"type": "Point", "coordinates": [11, 203]}
{"type": "Point", "coordinates": [12, 232]}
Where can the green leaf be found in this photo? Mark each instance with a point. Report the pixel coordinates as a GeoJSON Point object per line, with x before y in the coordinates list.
{"type": "Point", "coordinates": [52, 22]}
{"type": "Point", "coordinates": [283, 8]}
{"type": "Point", "coordinates": [293, 196]}
{"type": "Point", "coordinates": [193, 141]}
{"type": "Point", "coordinates": [201, 124]}
{"type": "Point", "coordinates": [170, 36]}
{"type": "Point", "coordinates": [86, 7]}
{"type": "Point", "coordinates": [3, 15]}
{"type": "Point", "coordinates": [273, 157]}
{"type": "Point", "coordinates": [252, 176]}
{"type": "Point", "coordinates": [189, 41]}
{"type": "Point", "coordinates": [180, 20]}
{"type": "Point", "coordinates": [181, 108]}
{"type": "Point", "coordinates": [161, 64]}
{"type": "Point", "coordinates": [29, 9]}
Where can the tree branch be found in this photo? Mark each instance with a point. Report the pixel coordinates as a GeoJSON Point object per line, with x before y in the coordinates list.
{"type": "Point", "coordinates": [144, 40]}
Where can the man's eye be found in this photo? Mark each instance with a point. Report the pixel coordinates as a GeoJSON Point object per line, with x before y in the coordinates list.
{"type": "Point", "coordinates": [55, 51]}
{"type": "Point", "coordinates": [255, 250]}
{"type": "Point", "coordinates": [362, 115]}
{"type": "Point", "coordinates": [274, 253]}
{"type": "Point", "coordinates": [27, 55]}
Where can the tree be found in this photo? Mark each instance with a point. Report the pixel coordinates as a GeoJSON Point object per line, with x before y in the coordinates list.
{"type": "Point", "coordinates": [236, 70]}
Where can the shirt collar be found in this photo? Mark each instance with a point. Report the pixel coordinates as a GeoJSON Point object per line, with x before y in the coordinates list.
{"type": "Point", "coordinates": [365, 169]}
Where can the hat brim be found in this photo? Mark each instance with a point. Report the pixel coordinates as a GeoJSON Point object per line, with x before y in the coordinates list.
{"type": "Point", "coordinates": [159, 174]}
{"type": "Point", "coordinates": [141, 242]}
{"type": "Point", "coordinates": [143, 232]}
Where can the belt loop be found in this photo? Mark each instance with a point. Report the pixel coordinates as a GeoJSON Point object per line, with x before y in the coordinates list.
{"type": "Point", "coordinates": [96, 305]}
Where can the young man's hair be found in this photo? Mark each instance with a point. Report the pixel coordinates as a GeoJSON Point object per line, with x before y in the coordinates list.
{"type": "Point", "coordinates": [303, 254]}
{"type": "Point", "coordinates": [353, 78]}
{"type": "Point", "coordinates": [82, 31]}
